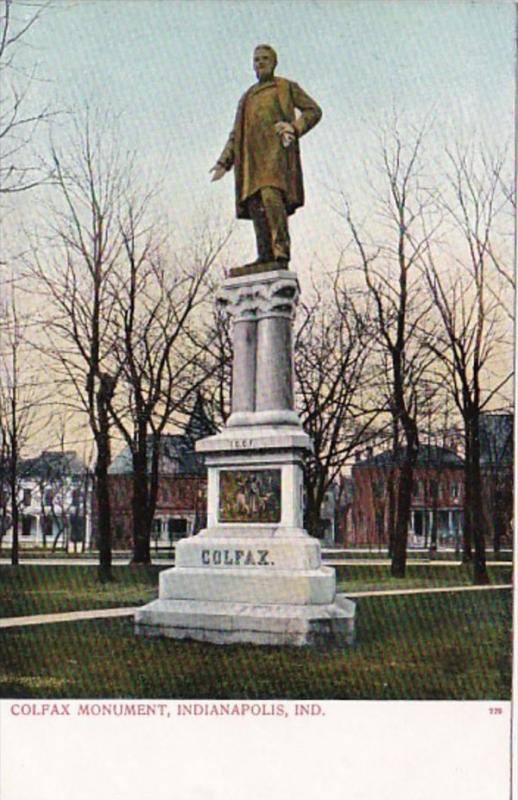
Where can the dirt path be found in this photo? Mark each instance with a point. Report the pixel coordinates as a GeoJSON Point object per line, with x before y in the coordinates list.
{"type": "Point", "coordinates": [108, 613]}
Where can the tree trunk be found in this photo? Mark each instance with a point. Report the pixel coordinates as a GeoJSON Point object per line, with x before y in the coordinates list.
{"type": "Point", "coordinates": [103, 514]}
{"type": "Point", "coordinates": [404, 496]}
{"type": "Point", "coordinates": [102, 487]}
{"type": "Point", "coordinates": [311, 511]}
{"type": "Point", "coordinates": [57, 537]}
{"type": "Point", "coordinates": [392, 511]}
{"type": "Point", "coordinates": [312, 520]}
{"type": "Point", "coordinates": [476, 512]}
{"type": "Point", "coordinates": [404, 501]}
{"type": "Point", "coordinates": [467, 551]}
{"type": "Point", "coordinates": [15, 558]}
{"type": "Point", "coordinates": [498, 528]}
{"type": "Point", "coordinates": [139, 503]}
{"type": "Point", "coordinates": [433, 535]}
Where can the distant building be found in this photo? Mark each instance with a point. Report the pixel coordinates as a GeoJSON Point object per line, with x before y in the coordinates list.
{"type": "Point", "coordinates": [437, 498]}
{"type": "Point", "coordinates": [182, 488]}
{"type": "Point", "coordinates": [54, 501]}
{"type": "Point", "coordinates": [497, 465]}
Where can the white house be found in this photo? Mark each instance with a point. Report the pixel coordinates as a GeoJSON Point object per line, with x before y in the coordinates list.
{"type": "Point", "coordinates": [54, 502]}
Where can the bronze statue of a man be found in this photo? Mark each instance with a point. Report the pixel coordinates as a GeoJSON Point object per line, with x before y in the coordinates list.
{"type": "Point", "coordinates": [263, 148]}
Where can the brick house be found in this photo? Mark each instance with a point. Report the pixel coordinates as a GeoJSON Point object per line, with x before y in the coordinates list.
{"type": "Point", "coordinates": [182, 489]}
{"type": "Point", "coordinates": [437, 498]}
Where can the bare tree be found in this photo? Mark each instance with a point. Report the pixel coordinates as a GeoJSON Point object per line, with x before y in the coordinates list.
{"type": "Point", "coordinates": [19, 168]}
{"type": "Point", "coordinates": [331, 358]}
{"type": "Point", "coordinates": [388, 256]}
{"type": "Point", "coordinates": [473, 340]}
{"type": "Point", "coordinates": [17, 411]}
{"type": "Point", "coordinates": [217, 359]}
{"type": "Point", "coordinates": [158, 349]}
{"type": "Point", "coordinates": [73, 268]}
{"type": "Point", "coordinates": [5, 518]}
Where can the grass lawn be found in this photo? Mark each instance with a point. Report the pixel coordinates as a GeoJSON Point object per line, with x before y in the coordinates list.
{"type": "Point", "coordinates": [28, 554]}
{"type": "Point", "coordinates": [35, 589]}
{"type": "Point", "coordinates": [446, 646]}
{"type": "Point", "coordinates": [367, 577]}
{"type": "Point", "coordinates": [417, 555]}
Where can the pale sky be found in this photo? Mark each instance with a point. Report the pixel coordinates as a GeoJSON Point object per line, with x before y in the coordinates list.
{"type": "Point", "coordinates": [175, 69]}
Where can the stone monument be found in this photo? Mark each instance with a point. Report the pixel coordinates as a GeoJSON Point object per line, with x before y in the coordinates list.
{"type": "Point", "coordinates": [254, 574]}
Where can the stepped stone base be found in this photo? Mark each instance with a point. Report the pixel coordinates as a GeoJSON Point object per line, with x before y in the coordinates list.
{"type": "Point", "coordinates": [264, 585]}
{"type": "Point", "coordinates": [254, 575]}
{"type": "Point", "coordinates": [252, 585]}
{"type": "Point", "coordinates": [228, 623]}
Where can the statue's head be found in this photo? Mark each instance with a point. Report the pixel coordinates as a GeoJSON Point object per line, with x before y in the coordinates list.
{"type": "Point", "coordinates": [265, 61]}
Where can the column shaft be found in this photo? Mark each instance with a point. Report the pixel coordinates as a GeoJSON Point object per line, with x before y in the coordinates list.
{"type": "Point", "coordinates": [244, 341]}
{"type": "Point", "coordinates": [274, 364]}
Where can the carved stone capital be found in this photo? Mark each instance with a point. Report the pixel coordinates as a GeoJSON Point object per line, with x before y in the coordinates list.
{"type": "Point", "coordinates": [252, 297]}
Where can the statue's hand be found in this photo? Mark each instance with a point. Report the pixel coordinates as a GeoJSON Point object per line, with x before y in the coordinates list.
{"type": "Point", "coordinates": [218, 171]}
{"type": "Point", "coordinates": [284, 127]}
{"type": "Point", "coordinates": [286, 131]}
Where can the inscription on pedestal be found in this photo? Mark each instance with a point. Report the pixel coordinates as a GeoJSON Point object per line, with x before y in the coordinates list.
{"type": "Point", "coordinates": [236, 558]}
{"type": "Point", "coordinates": [250, 495]}
{"type": "Point", "coordinates": [241, 444]}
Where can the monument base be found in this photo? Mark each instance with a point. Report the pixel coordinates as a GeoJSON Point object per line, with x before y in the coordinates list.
{"type": "Point", "coordinates": [254, 574]}
{"type": "Point", "coordinates": [262, 584]}
{"type": "Point", "coordinates": [329, 625]}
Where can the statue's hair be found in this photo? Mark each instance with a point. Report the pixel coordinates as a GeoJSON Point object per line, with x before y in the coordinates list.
{"type": "Point", "coordinates": [269, 48]}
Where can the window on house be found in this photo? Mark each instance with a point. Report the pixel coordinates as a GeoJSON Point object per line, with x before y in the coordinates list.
{"type": "Point", "coordinates": [48, 497]}
{"type": "Point", "coordinates": [157, 527]}
{"type": "Point", "coordinates": [176, 528]}
{"type": "Point", "coordinates": [27, 522]}
{"type": "Point", "coordinates": [455, 491]}
{"type": "Point", "coordinates": [76, 497]}
{"type": "Point", "coordinates": [27, 497]}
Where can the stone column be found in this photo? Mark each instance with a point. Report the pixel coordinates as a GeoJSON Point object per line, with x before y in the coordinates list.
{"type": "Point", "coordinates": [262, 309]}
{"type": "Point", "coordinates": [274, 381]}
{"type": "Point", "coordinates": [244, 341]}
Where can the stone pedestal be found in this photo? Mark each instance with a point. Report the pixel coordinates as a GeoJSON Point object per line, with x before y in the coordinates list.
{"type": "Point", "coordinates": [254, 574]}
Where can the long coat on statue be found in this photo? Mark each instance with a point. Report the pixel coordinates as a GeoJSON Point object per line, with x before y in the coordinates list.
{"type": "Point", "coordinates": [269, 164]}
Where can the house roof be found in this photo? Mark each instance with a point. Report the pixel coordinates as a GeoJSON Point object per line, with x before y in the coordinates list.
{"type": "Point", "coordinates": [177, 451]}
{"type": "Point", "coordinates": [427, 456]}
{"type": "Point", "coordinates": [177, 456]}
{"type": "Point", "coordinates": [52, 464]}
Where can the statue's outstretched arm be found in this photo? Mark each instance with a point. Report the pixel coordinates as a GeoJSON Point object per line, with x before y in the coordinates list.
{"type": "Point", "coordinates": [226, 159]}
